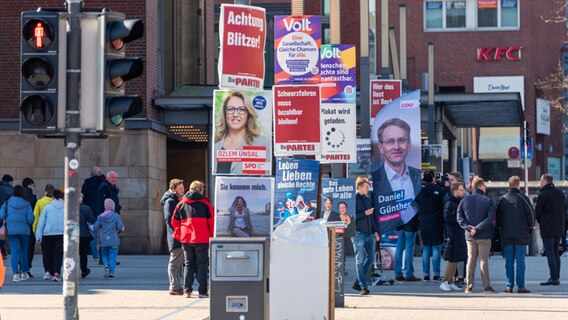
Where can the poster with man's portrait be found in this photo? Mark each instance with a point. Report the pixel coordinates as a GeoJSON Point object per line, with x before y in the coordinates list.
{"type": "Point", "coordinates": [242, 132]}
{"type": "Point", "coordinates": [338, 203]}
{"type": "Point", "coordinates": [396, 160]}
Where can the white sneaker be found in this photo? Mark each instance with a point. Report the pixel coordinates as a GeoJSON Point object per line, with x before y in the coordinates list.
{"type": "Point", "coordinates": [47, 276]}
{"type": "Point", "coordinates": [455, 288]}
{"type": "Point", "coordinates": [16, 277]}
{"type": "Point", "coordinates": [444, 286]}
{"type": "Point", "coordinates": [24, 276]}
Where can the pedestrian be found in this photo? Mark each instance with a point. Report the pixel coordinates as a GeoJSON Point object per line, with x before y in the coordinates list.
{"type": "Point", "coordinates": [405, 250]}
{"type": "Point", "coordinates": [431, 221]}
{"type": "Point", "coordinates": [111, 225]}
{"type": "Point", "coordinates": [6, 191]}
{"type": "Point", "coordinates": [86, 218]}
{"type": "Point", "coordinates": [169, 201]}
{"type": "Point", "coordinates": [550, 211]}
{"type": "Point", "coordinates": [476, 214]}
{"type": "Point", "coordinates": [455, 236]}
{"type": "Point", "coordinates": [515, 218]}
{"type": "Point", "coordinates": [50, 230]}
{"type": "Point", "coordinates": [19, 217]}
{"type": "Point", "coordinates": [193, 224]}
{"type": "Point", "coordinates": [108, 190]}
{"type": "Point", "coordinates": [38, 208]}
{"type": "Point", "coordinates": [29, 189]}
{"type": "Point", "coordinates": [90, 191]}
{"type": "Point", "coordinates": [366, 233]}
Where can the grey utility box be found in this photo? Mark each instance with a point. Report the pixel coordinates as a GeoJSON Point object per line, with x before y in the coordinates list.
{"type": "Point", "coordinates": [239, 279]}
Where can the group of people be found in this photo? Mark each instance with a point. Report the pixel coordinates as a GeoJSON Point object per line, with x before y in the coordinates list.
{"type": "Point", "coordinates": [28, 220]}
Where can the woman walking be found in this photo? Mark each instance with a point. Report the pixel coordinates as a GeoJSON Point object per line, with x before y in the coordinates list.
{"type": "Point", "coordinates": [50, 230]}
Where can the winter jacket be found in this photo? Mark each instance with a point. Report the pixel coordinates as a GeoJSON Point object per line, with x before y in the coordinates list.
{"type": "Point", "coordinates": [32, 198]}
{"type": "Point", "coordinates": [193, 220]}
{"type": "Point", "coordinates": [19, 216]}
{"type": "Point", "coordinates": [431, 214]}
{"type": "Point", "coordinates": [85, 216]}
{"type": "Point", "coordinates": [90, 191]}
{"type": "Point", "coordinates": [550, 212]}
{"type": "Point", "coordinates": [40, 204]}
{"type": "Point", "coordinates": [169, 202]}
{"type": "Point", "coordinates": [111, 225]}
{"type": "Point", "coordinates": [6, 191]}
{"type": "Point", "coordinates": [106, 190]}
{"type": "Point", "coordinates": [477, 210]}
{"type": "Point", "coordinates": [453, 229]}
{"type": "Point", "coordinates": [52, 220]}
{"type": "Point", "coordinates": [363, 223]}
{"type": "Point", "coordinates": [515, 218]}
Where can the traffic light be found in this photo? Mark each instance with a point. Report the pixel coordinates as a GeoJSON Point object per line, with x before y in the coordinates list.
{"type": "Point", "coordinates": [40, 86]}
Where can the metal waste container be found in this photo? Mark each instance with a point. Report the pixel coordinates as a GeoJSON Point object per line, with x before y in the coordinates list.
{"type": "Point", "coordinates": [239, 279]}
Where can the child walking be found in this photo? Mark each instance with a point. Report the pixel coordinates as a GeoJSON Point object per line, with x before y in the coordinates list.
{"type": "Point", "coordinates": [111, 225]}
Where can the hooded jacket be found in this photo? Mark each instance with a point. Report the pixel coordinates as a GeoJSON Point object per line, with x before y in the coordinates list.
{"type": "Point", "coordinates": [169, 202]}
{"type": "Point", "coordinates": [111, 225]}
{"type": "Point", "coordinates": [431, 214]}
{"type": "Point", "coordinates": [6, 191]}
{"type": "Point", "coordinates": [193, 220]}
{"type": "Point", "coordinates": [38, 209]}
{"type": "Point", "coordinates": [20, 216]}
{"type": "Point", "coordinates": [52, 220]}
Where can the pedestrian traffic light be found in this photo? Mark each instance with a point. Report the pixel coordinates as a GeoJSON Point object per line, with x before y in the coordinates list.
{"type": "Point", "coordinates": [39, 75]}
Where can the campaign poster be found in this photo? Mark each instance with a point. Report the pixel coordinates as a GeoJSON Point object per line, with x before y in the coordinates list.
{"type": "Point", "coordinates": [296, 189]}
{"type": "Point", "coordinates": [242, 32]}
{"type": "Point", "coordinates": [297, 120]}
{"type": "Point", "coordinates": [338, 73]}
{"type": "Point", "coordinates": [242, 132]}
{"type": "Point", "coordinates": [396, 161]}
{"type": "Point", "coordinates": [386, 257]}
{"type": "Point", "coordinates": [382, 92]}
{"type": "Point", "coordinates": [338, 203]}
{"type": "Point", "coordinates": [432, 158]}
{"type": "Point", "coordinates": [297, 42]}
{"type": "Point", "coordinates": [362, 168]}
{"type": "Point", "coordinates": [243, 206]}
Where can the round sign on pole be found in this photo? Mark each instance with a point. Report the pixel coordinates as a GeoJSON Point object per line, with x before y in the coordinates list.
{"type": "Point", "coordinates": [514, 153]}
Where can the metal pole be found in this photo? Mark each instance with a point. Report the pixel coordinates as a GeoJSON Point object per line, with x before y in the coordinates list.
{"type": "Point", "coordinates": [72, 144]}
{"type": "Point", "coordinates": [526, 147]}
{"type": "Point", "coordinates": [431, 107]}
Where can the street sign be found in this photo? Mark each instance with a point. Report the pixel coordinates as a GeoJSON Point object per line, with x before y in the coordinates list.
{"type": "Point", "coordinates": [514, 153]}
{"type": "Point", "coordinates": [513, 163]}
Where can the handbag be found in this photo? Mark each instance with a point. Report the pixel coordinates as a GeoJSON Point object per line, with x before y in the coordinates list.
{"type": "Point", "coordinates": [447, 249]}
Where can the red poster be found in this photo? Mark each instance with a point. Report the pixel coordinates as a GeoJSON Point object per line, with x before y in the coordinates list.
{"type": "Point", "coordinates": [382, 92]}
{"type": "Point", "coordinates": [243, 36]}
{"type": "Point", "coordinates": [297, 120]}
{"type": "Point", "coordinates": [487, 4]}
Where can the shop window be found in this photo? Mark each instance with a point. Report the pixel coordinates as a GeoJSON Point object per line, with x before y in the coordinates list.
{"type": "Point", "coordinates": [487, 13]}
{"type": "Point", "coordinates": [471, 15]}
{"type": "Point", "coordinates": [509, 13]}
{"type": "Point", "coordinates": [455, 14]}
{"type": "Point", "coordinates": [434, 15]}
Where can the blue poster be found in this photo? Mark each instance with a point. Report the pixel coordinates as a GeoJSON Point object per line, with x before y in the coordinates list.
{"type": "Point", "coordinates": [338, 203]}
{"type": "Point", "coordinates": [296, 189]}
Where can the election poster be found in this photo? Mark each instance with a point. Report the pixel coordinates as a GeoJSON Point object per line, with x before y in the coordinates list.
{"type": "Point", "coordinates": [386, 258]}
{"type": "Point", "coordinates": [338, 203]}
{"type": "Point", "coordinates": [297, 41]}
{"type": "Point", "coordinates": [243, 206]}
{"type": "Point", "coordinates": [432, 158]}
{"type": "Point", "coordinates": [396, 160]}
{"type": "Point", "coordinates": [338, 109]}
{"type": "Point", "coordinates": [362, 168]}
{"type": "Point", "coordinates": [297, 108]}
{"type": "Point", "coordinates": [296, 189]}
{"type": "Point", "coordinates": [242, 32]}
{"type": "Point", "coordinates": [242, 132]}
{"type": "Point", "coordinates": [381, 93]}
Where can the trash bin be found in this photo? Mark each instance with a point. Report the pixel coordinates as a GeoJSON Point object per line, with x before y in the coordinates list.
{"type": "Point", "coordinates": [239, 278]}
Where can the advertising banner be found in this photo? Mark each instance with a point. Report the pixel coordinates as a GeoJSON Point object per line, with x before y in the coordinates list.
{"type": "Point", "coordinates": [297, 41]}
{"type": "Point", "coordinates": [242, 32]}
{"type": "Point", "coordinates": [338, 203]}
{"type": "Point", "coordinates": [296, 188]}
{"type": "Point", "coordinates": [432, 158]}
{"type": "Point", "coordinates": [297, 108]}
{"type": "Point", "coordinates": [386, 257]}
{"type": "Point", "coordinates": [242, 132]}
{"type": "Point", "coordinates": [338, 73]}
{"type": "Point", "coordinates": [382, 92]}
{"type": "Point", "coordinates": [243, 206]}
{"type": "Point", "coordinates": [396, 161]}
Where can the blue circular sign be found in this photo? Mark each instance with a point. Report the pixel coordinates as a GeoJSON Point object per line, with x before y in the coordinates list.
{"type": "Point", "coordinates": [259, 103]}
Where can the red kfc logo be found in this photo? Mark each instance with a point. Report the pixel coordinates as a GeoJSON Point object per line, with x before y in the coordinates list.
{"type": "Point", "coordinates": [496, 53]}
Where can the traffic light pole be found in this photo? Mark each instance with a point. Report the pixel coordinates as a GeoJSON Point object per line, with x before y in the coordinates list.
{"type": "Point", "coordinates": [72, 144]}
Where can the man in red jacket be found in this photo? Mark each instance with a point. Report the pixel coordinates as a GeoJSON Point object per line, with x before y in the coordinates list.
{"type": "Point", "coordinates": [193, 225]}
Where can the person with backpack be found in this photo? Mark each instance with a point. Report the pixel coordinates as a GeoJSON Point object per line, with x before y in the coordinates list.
{"type": "Point", "coordinates": [111, 225]}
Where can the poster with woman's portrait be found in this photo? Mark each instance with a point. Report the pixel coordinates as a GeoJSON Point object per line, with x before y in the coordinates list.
{"type": "Point", "coordinates": [338, 203]}
{"type": "Point", "coordinates": [243, 206]}
{"type": "Point", "coordinates": [242, 132]}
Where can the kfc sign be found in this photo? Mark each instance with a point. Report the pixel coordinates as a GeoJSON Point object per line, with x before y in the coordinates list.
{"type": "Point", "coordinates": [496, 53]}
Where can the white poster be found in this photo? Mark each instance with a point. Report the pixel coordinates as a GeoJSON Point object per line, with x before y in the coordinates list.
{"type": "Point", "coordinates": [542, 116]}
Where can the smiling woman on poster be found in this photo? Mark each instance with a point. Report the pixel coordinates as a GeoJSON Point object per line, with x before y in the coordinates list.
{"type": "Point", "coordinates": [238, 126]}
{"type": "Point", "coordinates": [240, 224]}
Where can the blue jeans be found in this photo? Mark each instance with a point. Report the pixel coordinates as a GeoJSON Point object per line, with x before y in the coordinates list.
{"type": "Point", "coordinates": [109, 257]}
{"type": "Point", "coordinates": [433, 252]}
{"type": "Point", "coordinates": [19, 256]}
{"type": "Point", "coordinates": [93, 244]}
{"type": "Point", "coordinates": [551, 246]}
{"type": "Point", "coordinates": [514, 252]}
{"type": "Point", "coordinates": [364, 254]}
{"type": "Point", "coordinates": [405, 243]}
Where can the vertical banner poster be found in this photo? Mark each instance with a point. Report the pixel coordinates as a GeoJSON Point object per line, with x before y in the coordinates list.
{"type": "Point", "coordinates": [338, 203]}
{"type": "Point", "coordinates": [338, 98]}
{"type": "Point", "coordinates": [296, 189]}
{"type": "Point", "coordinates": [242, 132]}
{"type": "Point", "coordinates": [242, 32]}
{"type": "Point", "coordinates": [243, 207]}
{"type": "Point", "coordinates": [386, 257]}
{"type": "Point", "coordinates": [382, 92]}
{"type": "Point", "coordinates": [297, 41]}
{"type": "Point", "coordinates": [432, 158]}
{"type": "Point", "coordinates": [297, 120]}
{"type": "Point", "coordinates": [396, 160]}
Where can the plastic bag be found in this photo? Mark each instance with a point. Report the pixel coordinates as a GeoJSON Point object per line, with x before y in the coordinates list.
{"type": "Point", "coordinates": [296, 230]}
